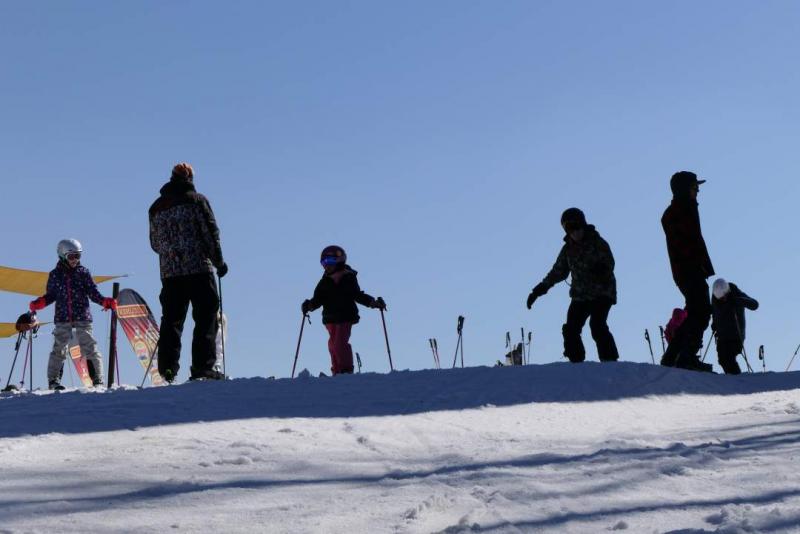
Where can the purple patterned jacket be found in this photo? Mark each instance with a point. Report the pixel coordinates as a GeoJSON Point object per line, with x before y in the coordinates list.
{"type": "Point", "coordinates": [71, 290]}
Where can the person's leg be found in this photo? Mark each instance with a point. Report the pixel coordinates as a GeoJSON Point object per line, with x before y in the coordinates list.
{"type": "Point", "coordinates": [698, 309]}
{"type": "Point", "coordinates": [205, 312]}
{"type": "Point", "coordinates": [577, 314]}
{"type": "Point", "coordinates": [174, 305]}
{"type": "Point", "coordinates": [94, 360]}
{"type": "Point", "coordinates": [331, 328]}
{"type": "Point", "coordinates": [598, 323]}
{"type": "Point", "coordinates": [55, 365]}
{"type": "Point", "coordinates": [344, 351]}
{"type": "Point", "coordinates": [727, 351]}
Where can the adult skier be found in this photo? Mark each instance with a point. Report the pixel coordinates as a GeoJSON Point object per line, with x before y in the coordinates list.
{"type": "Point", "coordinates": [728, 304]}
{"type": "Point", "coordinates": [587, 257]}
{"type": "Point", "coordinates": [691, 267]}
{"type": "Point", "coordinates": [70, 286]}
{"type": "Point", "coordinates": [184, 234]}
{"type": "Point", "coordinates": [338, 292]}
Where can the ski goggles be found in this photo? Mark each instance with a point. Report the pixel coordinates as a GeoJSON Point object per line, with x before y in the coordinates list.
{"type": "Point", "coordinates": [73, 256]}
{"type": "Point", "coordinates": [327, 261]}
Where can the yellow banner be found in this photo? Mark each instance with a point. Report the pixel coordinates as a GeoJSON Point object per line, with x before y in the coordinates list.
{"type": "Point", "coordinates": [7, 330]}
{"type": "Point", "coordinates": [10, 329]}
{"type": "Point", "coordinates": [32, 283]}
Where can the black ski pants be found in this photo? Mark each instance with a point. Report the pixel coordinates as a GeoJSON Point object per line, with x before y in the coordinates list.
{"type": "Point", "coordinates": [688, 339]}
{"type": "Point", "coordinates": [176, 294]}
{"type": "Point", "coordinates": [596, 311]}
{"type": "Point", "coordinates": [727, 351]}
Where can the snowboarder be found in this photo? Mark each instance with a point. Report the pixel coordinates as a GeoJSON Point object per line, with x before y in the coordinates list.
{"type": "Point", "coordinates": [691, 267]}
{"type": "Point", "coordinates": [728, 324]}
{"type": "Point", "coordinates": [70, 286]}
{"type": "Point", "coordinates": [588, 258]}
{"type": "Point", "coordinates": [184, 234]}
{"type": "Point", "coordinates": [338, 292]}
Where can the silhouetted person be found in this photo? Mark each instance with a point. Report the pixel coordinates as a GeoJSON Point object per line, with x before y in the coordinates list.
{"type": "Point", "coordinates": [728, 304]}
{"type": "Point", "coordinates": [587, 257]}
{"type": "Point", "coordinates": [691, 267]}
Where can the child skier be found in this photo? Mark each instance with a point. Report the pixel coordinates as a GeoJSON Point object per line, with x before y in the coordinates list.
{"type": "Point", "coordinates": [337, 292]}
{"type": "Point", "coordinates": [70, 286]}
{"type": "Point", "coordinates": [727, 304]}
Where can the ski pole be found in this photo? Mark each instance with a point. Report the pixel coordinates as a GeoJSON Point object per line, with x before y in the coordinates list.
{"type": "Point", "coordinates": [25, 364]}
{"type": "Point", "coordinates": [221, 326]}
{"type": "Point", "coordinates": [358, 360]}
{"type": "Point", "coordinates": [297, 352]}
{"type": "Point", "coordinates": [458, 342]}
{"type": "Point", "coordinates": [522, 330]}
{"type": "Point", "coordinates": [436, 349]}
{"type": "Point", "coordinates": [711, 339]}
{"type": "Point", "coordinates": [649, 345]}
{"type": "Point", "coordinates": [792, 360]}
{"type": "Point", "coordinates": [663, 347]}
{"type": "Point", "coordinates": [30, 348]}
{"type": "Point", "coordinates": [433, 351]}
{"type": "Point", "coordinates": [530, 346]}
{"type": "Point", "coordinates": [508, 347]}
{"type": "Point", "coordinates": [386, 335]}
{"type": "Point", "coordinates": [18, 344]}
{"type": "Point", "coordinates": [149, 366]}
{"type": "Point", "coordinates": [761, 357]}
{"type": "Point", "coordinates": [741, 338]}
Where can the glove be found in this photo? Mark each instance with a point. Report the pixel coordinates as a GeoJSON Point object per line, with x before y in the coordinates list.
{"type": "Point", "coordinates": [378, 304]}
{"type": "Point", "coordinates": [222, 270]}
{"type": "Point", "coordinates": [38, 304]}
{"type": "Point", "coordinates": [109, 304]}
{"type": "Point", "coordinates": [537, 292]}
{"type": "Point", "coordinates": [306, 306]}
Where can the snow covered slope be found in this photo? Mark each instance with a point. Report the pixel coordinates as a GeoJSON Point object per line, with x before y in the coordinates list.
{"type": "Point", "coordinates": [552, 448]}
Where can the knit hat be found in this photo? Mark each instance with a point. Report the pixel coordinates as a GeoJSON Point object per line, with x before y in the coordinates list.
{"type": "Point", "coordinates": [182, 172]}
{"type": "Point", "coordinates": [721, 288]}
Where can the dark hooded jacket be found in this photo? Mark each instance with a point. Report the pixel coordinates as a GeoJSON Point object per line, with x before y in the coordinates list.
{"type": "Point", "coordinates": [71, 289]}
{"type": "Point", "coordinates": [591, 265]}
{"type": "Point", "coordinates": [688, 254]}
{"type": "Point", "coordinates": [728, 314]}
{"type": "Point", "coordinates": [338, 293]}
{"type": "Point", "coordinates": [184, 232]}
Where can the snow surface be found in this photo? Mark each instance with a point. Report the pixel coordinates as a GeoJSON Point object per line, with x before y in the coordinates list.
{"type": "Point", "coordinates": [551, 448]}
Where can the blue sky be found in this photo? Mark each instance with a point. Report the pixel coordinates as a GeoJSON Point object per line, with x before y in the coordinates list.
{"type": "Point", "coordinates": [438, 142]}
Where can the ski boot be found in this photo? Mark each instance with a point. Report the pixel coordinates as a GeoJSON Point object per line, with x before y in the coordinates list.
{"type": "Point", "coordinates": [55, 385]}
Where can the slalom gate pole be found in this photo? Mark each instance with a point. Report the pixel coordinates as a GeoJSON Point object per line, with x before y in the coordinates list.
{"type": "Point", "coordinates": [792, 360]}
{"type": "Point", "coordinates": [386, 335]}
{"type": "Point", "coordinates": [663, 347]}
{"type": "Point", "coordinates": [299, 339]}
{"type": "Point", "coordinates": [761, 357]}
{"type": "Point", "coordinates": [712, 339]}
{"type": "Point", "coordinates": [112, 340]}
{"type": "Point", "coordinates": [649, 345]}
{"type": "Point", "coordinates": [18, 344]}
{"type": "Point", "coordinates": [222, 326]}
{"type": "Point", "coordinates": [149, 366]}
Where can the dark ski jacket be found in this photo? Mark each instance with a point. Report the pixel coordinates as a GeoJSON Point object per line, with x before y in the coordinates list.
{"type": "Point", "coordinates": [71, 289]}
{"type": "Point", "coordinates": [338, 293]}
{"type": "Point", "coordinates": [688, 254]}
{"type": "Point", "coordinates": [184, 232]}
{"type": "Point", "coordinates": [591, 265]}
{"type": "Point", "coordinates": [728, 314]}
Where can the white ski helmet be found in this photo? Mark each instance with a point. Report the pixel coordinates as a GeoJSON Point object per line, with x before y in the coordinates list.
{"type": "Point", "coordinates": [721, 288]}
{"type": "Point", "coordinates": [68, 246]}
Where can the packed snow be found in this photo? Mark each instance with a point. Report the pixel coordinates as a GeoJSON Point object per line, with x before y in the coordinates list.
{"type": "Point", "coordinates": [540, 448]}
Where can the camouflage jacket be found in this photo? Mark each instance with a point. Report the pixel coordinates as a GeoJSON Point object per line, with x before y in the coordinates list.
{"type": "Point", "coordinates": [591, 265]}
{"type": "Point", "coordinates": [183, 231]}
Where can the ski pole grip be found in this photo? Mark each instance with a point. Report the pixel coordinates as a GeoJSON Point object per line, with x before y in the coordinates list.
{"type": "Point", "coordinates": [460, 323]}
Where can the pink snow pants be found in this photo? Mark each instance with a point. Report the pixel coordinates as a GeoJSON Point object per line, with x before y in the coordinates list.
{"type": "Point", "coordinates": [339, 347]}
